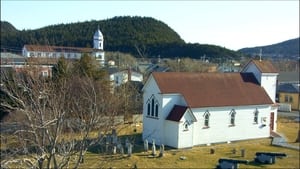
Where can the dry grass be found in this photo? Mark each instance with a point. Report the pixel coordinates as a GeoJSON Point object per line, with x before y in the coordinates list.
{"type": "Point", "coordinates": [200, 157]}
{"type": "Point", "coordinates": [197, 157]}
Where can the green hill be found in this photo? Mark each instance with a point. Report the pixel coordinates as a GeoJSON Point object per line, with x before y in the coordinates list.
{"type": "Point", "coordinates": [140, 36]}
{"type": "Point", "coordinates": [286, 49]}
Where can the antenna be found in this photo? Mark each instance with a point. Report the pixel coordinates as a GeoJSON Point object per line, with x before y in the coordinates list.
{"type": "Point", "coordinates": [260, 53]}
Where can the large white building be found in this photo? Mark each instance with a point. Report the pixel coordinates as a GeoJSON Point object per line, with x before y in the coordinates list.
{"type": "Point", "coordinates": [186, 109]}
{"type": "Point", "coordinates": [44, 51]}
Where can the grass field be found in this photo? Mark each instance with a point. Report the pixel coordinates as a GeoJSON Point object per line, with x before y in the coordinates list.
{"type": "Point", "coordinates": [200, 157]}
{"type": "Point", "coordinates": [196, 157]}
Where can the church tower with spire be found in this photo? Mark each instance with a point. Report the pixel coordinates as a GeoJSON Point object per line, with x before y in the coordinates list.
{"type": "Point", "coordinates": [98, 40]}
{"type": "Point", "coordinates": [98, 46]}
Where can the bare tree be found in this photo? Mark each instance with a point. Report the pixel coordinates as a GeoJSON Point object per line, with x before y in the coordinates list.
{"type": "Point", "coordinates": [76, 106]}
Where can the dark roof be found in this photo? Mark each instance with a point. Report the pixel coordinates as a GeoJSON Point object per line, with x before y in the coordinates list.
{"type": "Point", "coordinates": [288, 88]}
{"type": "Point", "coordinates": [45, 48]}
{"type": "Point", "coordinates": [176, 113]}
{"type": "Point", "coordinates": [213, 89]}
{"type": "Point", "coordinates": [285, 77]}
{"type": "Point", "coordinates": [264, 66]}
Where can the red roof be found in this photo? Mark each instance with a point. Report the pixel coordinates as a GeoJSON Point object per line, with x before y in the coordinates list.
{"type": "Point", "coordinates": [176, 113]}
{"type": "Point", "coordinates": [45, 48]}
{"type": "Point", "coordinates": [213, 89]}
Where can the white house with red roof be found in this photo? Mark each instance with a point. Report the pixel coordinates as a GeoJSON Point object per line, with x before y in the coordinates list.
{"type": "Point", "coordinates": [183, 109]}
{"type": "Point", "coordinates": [46, 51]}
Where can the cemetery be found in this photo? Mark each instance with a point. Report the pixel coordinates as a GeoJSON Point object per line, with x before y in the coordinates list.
{"type": "Point", "coordinates": [126, 149]}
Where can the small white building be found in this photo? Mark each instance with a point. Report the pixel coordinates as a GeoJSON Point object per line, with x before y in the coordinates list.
{"type": "Point", "coordinates": [120, 77]}
{"type": "Point", "coordinates": [44, 51]}
{"type": "Point", "coordinates": [186, 109]}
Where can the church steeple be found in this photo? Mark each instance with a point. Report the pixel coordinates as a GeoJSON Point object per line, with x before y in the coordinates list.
{"type": "Point", "coordinates": [98, 39]}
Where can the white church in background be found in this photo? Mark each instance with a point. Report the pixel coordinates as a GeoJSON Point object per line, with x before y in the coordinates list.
{"type": "Point", "coordinates": [183, 109]}
{"type": "Point", "coordinates": [45, 51]}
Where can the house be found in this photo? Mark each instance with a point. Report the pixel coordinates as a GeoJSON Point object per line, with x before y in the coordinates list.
{"type": "Point", "coordinates": [45, 51]}
{"type": "Point", "coordinates": [288, 94]}
{"type": "Point", "coordinates": [183, 109]}
{"type": "Point", "coordinates": [118, 77]}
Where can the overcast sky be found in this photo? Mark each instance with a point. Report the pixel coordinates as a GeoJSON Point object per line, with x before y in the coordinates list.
{"type": "Point", "coordinates": [230, 24]}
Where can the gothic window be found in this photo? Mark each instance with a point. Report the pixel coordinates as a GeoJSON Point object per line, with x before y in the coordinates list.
{"type": "Point", "coordinates": [156, 110]}
{"type": "Point", "coordinates": [232, 117]}
{"type": "Point", "coordinates": [148, 109]}
{"type": "Point", "coordinates": [206, 119]}
{"type": "Point", "coordinates": [152, 107]}
{"type": "Point", "coordinates": [255, 119]}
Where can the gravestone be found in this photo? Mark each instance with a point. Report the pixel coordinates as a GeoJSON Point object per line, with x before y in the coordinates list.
{"type": "Point", "coordinates": [298, 137]}
{"type": "Point", "coordinates": [114, 137]}
{"type": "Point", "coordinates": [153, 148]}
{"type": "Point", "coordinates": [243, 152]}
{"type": "Point", "coordinates": [146, 145]}
{"type": "Point", "coordinates": [161, 150]}
{"type": "Point", "coordinates": [126, 142]}
{"type": "Point", "coordinates": [129, 150]}
{"type": "Point", "coordinates": [233, 151]}
{"type": "Point", "coordinates": [114, 150]}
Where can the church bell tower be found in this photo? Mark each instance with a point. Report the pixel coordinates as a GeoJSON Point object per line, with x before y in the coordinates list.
{"type": "Point", "coordinates": [98, 40]}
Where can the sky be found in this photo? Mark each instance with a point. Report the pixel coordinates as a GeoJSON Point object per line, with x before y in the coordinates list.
{"type": "Point", "coordinates": [230, 24]}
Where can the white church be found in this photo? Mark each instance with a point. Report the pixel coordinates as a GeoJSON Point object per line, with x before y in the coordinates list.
{"type": "Point", "coordinates": [183, 109]}
{"type": "Point", "coordinates": [44, 51]}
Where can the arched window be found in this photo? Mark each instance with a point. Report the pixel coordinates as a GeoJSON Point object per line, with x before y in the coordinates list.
{"type": "Point", "coordinates": [206, 119]}
{"type": "Point", "coordinates": [255, 119]}
{"type": "Point", "coordinates": [152, 107]}
{"type": "Point", "coordinates": [156, 110]}
{"type": "Point", "coordinates": [148, 109]}
{"type": "Point", "coordinates": [232, 117]}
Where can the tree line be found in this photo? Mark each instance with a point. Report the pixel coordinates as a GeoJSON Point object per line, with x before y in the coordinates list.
{"type": "Point", "coordinates": [123, 34]}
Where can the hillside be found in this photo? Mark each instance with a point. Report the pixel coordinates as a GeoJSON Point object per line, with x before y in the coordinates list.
{"type": "Point", "coordinates": [286, 49]}
{"type": "Point", "coordinates": [125, 34]}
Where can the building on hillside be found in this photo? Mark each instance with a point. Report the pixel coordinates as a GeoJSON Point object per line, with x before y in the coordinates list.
{"type": "Point", "coordinates": [44, 51]}
{"type": "Point", "coordinates": [119, 77]}
{"type": "Point", "coordinates": [19, 64]}
{"type": "Point", "coordinates": [182, 109]}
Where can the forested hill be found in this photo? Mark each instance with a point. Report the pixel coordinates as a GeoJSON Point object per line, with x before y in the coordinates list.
{"type": "Point", "coordinates": [286, 49]}
{"type": "Point", "coordinates": [140, 36]}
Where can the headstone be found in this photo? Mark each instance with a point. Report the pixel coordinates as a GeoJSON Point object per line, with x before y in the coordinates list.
{"type": "Point", "coordinates": [161, 150]}
{"type": "Point", "coordinates": [243, 152]}
{"type": "Point", "coordinates": [129, 150]}
{"type": "Point", "coordinates": [114, 150]}
{"type": "Point", "coordinates": [122, 150]}
{"type": "Point", "coordinates": [146, 145]}
{"type": "Point", "coordinates": [126, 142]}
{"type": "Point", "coordinates": [234, 151]}
{"type": "Point", "coordinates": [298, 137]}
{"type": "Point", "coordinates": [153, 148]}
{"type": "Point", "coordinates": [114, 137]}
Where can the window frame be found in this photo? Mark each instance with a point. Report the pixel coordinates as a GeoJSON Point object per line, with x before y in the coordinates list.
{"type": "Point", "coordinates": [206, 119]}
{"type": "Point", "coordinates": [232, 119]}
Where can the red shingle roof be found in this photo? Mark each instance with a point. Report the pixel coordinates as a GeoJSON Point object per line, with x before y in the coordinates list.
{"type": "Point", "coordinates": [213, 89]}
{"type": "Point", "coordinates": [45, 48]}
{"type": "Point", "coordinates": [176, 113]}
